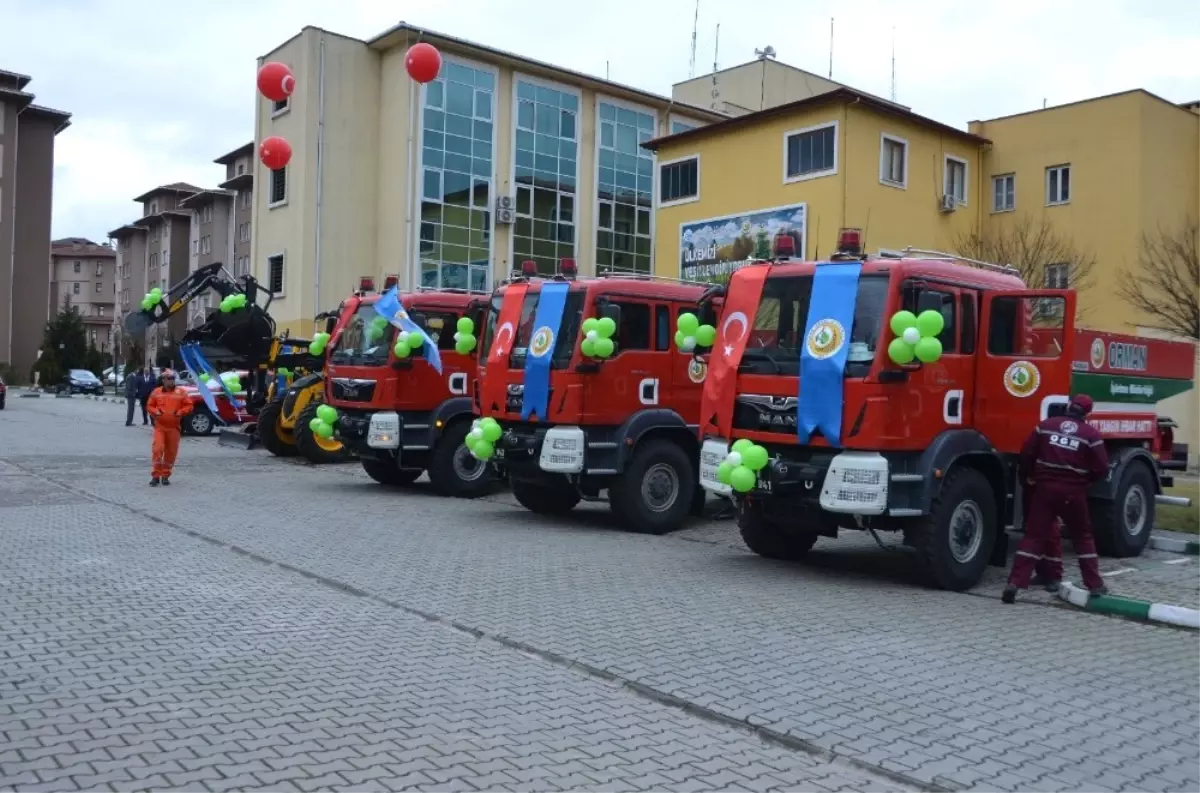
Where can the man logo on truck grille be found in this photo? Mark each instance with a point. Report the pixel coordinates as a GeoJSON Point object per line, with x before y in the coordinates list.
{"type": "Point", "coordinates": [697, 371]}
{"type": "Point", "coordinates": [541, 342]}
{"type": "Point", "coordinates": [1097, 354]}
{"type": "Point", "coordinates": [825, 338]}
{"type": "Point", "coordinates": [1022, 379]}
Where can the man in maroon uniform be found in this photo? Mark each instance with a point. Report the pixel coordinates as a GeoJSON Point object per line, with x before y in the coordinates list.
{"type": "Point", "coordinates": [1059, 461]}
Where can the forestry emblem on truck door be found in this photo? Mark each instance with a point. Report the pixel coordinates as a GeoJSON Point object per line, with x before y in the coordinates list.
{"type": "Point", "coordinates": [1022, 379]}
{"type": "Point", "coordinates": [697, 371]}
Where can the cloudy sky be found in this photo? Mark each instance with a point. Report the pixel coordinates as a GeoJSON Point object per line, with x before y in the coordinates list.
{"type": "Point", "coordinates": [158, 89]}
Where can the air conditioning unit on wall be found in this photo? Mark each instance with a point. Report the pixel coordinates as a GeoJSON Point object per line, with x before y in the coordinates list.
{"type": "Point", "coordinates": [506, 209]}
{"type": "Point", "coordinates": [949, 203]}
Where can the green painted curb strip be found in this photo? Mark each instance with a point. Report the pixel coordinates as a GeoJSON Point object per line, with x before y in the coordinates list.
{"type": "Point", "coordinates": [1130, 608]}
{"type": "Point", "coordinates": [1173, 545]}
{"type": "Point", "coordinates": [1124, 607]}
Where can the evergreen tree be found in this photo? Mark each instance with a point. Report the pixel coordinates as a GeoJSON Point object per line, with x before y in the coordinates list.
{"type": "Point", "coordinates": [64, 345]}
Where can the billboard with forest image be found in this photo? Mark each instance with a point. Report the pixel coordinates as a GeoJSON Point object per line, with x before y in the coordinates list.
{"type": "Point", "coordinates": [710, 250]}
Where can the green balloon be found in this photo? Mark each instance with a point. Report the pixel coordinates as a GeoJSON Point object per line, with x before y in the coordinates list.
{"type": "Point", "coordinates": [688, 322]}
{"type": "Point", "coordinates": [488, 421]}
{"type": "Point", "coordinates": [483, 449]}
{"type": "Point", "coordinates": [466, 325]}
{"type": "Point", "coordinates": [901, 352]}
{"type": "Point", "coordinates": [588, 347]}
{"type": "Point", "coordinates": [327, 413]}
{"type": "Point", "coordinates": [491, 432]}
{"type": "Point", "coordinates": [723, 472]}
{"type": "Point", "coordinates": [928, 349]}
{"type": "Point", "coordinates": [402, 350]}
{"type": "Point", "coordinates": [706, 335]}
{"type": "Point", "coordinates": [590, 324]}
{"type": "Point", "coordinates": [379, 321]}
{"type": "Point", "coordinates": [470, 441]}
{"type": "Point", "coordinates": [741, 445]}
{"type": "Point", "coordinates": [324, 430]}
{"type": "Point", "coordinates": [374, 333]}
{"type": "Point", "coordinates": [930, 323]}
{"type": "Point", "coordinates": [604, 347]}
{"type": "Point", "coordinates": [679, 338]}
{"type": "Point", "coordinates": [606, 327]}
{"type": "Point", "coordinates": [205, 377]}
{"type": "Point", "coordinates": [755, 458]}
{"type": "Point", "coordinates": [225, 307]}
{"type": "Point", "coordinates": [312, 425]}
{"type": "Point", "coordinates": [316, 348]}
{"type": "Point", "coordinates": [902, 321]}
{"type": "Point", "coordinates": [464, 345]}
{"type": "Point", "coordinates": [742, 479]}
{"type": "Point", "coordinates": [157, 293]}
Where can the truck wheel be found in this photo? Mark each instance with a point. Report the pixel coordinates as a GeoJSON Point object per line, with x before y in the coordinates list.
{"type": "Point", "coordinates": [1122, 526]}
{"type": "Point", "coordinates": [271, 433]}
{"type": "Point", "coordinates": [199, 422]}
{"type": "Point", "coordinates": [315, 449]}
{"type": "Point", "coordinates": [385, 472]}
{"type": "Point", "coordinates": [955, 541]}
{"type": "Point", "coordinates": [453, 470]}
{"type": "Point", "coordinates": [654, 493]}
{"type": "Point", "coordinates": [771, 541]}
{"type": "Point", "coordinates": [545, 500]}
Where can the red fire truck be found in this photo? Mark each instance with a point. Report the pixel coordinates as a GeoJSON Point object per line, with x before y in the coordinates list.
{"type": "Point", "coordinates": [400, 417]}
{"type": "Point", "coordinates": [928, 450]}
{"type": "Point", "coordinates": [624, 423]}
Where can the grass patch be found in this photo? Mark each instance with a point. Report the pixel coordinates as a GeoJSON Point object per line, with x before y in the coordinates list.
{"type": "Point", "coordinates": [1180, 518]}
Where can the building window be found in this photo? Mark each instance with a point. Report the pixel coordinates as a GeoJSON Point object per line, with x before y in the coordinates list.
{"type": "Point", "coordinates": [154, 234]}
{"type": "Point", "coordinates": [206, 214]}
{"type": "Point", "coordinates": [955, 182]}
{"type": "Point", "coordinates": [154, 260]}
{"type": "Point", "coordinates": [810, 152]}
{"type": "Point", "coordinates": [1058, 184]}
{"type": "Point", "coordinates": [281, 107]}
{"type": "Point", "coordinates": [166, 230]}
{"type": "Point", "coordinates": [241, 168]}
{"type": "Point", "coordinates": [1058, 276]}
{"type": "Point", "coordinates": [893, 161]}
{"type": "Point", "coordinates": [166, 258]}
{"type": "Point", "coordinates": [99, 288]}
{"type": "Point", "coordinates": [77, 267]}
{"type": "Point", "coordinates": [679, 181]}
{"type": "Point", "coordinates": [153, 207]}
{"type": "Point", "coordinates": [246, 197]}
{"type": "Point", "coordinates": [278, 187]}
{"type": "Point", "coordinates": [546, 170]}
{"type": "Point", "coordinates": [1004, 192]}
{"type": "Point", "coordinates": [455, 246]}
{"type": "Point", "coordinates": [99, 268]}
{"type": "Point", "coordinates": [206, 244]}
{"type": "Point", "coordinates": [275, 274]}
{"type": "Point", "coordinates": [75, 288]}
{"type": "Point", "coordinates": [195, 246]}
{"type": "Point", "coordinates": [683, 125]}
{"type": "Point", "coordinates": [625, 189]}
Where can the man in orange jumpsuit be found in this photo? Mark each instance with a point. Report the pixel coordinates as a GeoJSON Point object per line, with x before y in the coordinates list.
{"type": "Point", "coordinates": [168, 405]}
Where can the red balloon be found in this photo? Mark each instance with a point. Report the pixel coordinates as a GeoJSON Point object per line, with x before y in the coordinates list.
{"type": "Point", "coordinates": [275, 152]}
{"type": "Point", "coordinates": [276, 81]}
{"type": "Point", "coordinates": [423, 62]}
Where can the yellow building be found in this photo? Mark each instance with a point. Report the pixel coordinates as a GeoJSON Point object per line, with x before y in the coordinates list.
{"type": "Point", "coordinates": [807, 168]}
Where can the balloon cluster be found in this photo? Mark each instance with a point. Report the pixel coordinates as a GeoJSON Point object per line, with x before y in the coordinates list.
{"type": "Point", "coordinates": [228, 380]}
{"type": "Point", "coordinates": [322, 425]}
{"type": "Point", "coordinates": [275, 82]}
{"type": "Point", "coordinates": [377, 327]}
{"type": "Point", "coordinates": [481, 440]}
{"type": "Point", "coordinates": [691, 334]}
{"type": "Point", "coordinates": [916, 337]}
{"type": "Point", "coordinates": [233, 302]}
{"type": "Point", "coordinates": [597, 337]}
{"type": "Point", "coordinates": [740, 468]}
{"type": "Point", "coordinates": [407, 341]}
{"type": "Point", "coordinates": [151, 299]}
{"type": "Point", "coordinates": [464, 336]}
{"type": "Point", "coordinates": [317, 345]}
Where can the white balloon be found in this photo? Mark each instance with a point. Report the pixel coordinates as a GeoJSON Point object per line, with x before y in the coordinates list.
{"type": "Point", "coordinates": [689, 343]}
{"type": "Point", "coordinates": [402, 337]}
{"type": "Point", "coordinates": [476, 424]}
{"type": "Point", "coordinates": [592, 335]}
{"type": "Point", "coordinates": [734, 459]}
{"type": "Point", "coordinates": [911, 335]}
{"type": "Point", "coordinates": [477, 433]}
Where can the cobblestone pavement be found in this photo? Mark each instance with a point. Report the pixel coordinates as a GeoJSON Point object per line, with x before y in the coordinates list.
{"type": "Point", "coordinates": [123, 624]}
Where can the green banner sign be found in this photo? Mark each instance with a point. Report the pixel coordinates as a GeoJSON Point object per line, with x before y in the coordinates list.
{"type": "Point", "coordinates": [1122, 388]}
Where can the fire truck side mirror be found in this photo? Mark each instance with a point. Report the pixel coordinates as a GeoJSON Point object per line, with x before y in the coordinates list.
{"type": "Point", "coordinates": [612, 311]}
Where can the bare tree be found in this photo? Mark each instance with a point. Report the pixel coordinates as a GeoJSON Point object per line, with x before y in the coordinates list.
{"type": "Point", "coordinates": [1042, 255]}
{"type": "Point", "coordinates": [1165, 286]}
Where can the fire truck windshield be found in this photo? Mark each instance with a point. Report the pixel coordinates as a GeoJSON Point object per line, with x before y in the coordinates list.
{"type": "Point", "coordinates": [564, 344]}
{"type": "Point", "coordinates": [774, 346]}
{"type": "Point", "coordinates": [359, 345]}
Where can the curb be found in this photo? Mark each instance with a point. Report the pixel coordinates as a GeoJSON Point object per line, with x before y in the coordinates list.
{"type": "Point", "coordinates": [1130, 608]}
{"type": "Point", "coordinates": [1175, 545]}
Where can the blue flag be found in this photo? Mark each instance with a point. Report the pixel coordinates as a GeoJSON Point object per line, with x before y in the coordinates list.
{"type": "Point", "coordinates": [823, 354]}
{"type": "Point", "coordinates": [194, 361]}
{"type": "Point", "coordinates": [389, 307]}
{"type": "Point", "coordinates": [546, 323]}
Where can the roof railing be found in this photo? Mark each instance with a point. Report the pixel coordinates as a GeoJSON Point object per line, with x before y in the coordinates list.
{"type": "Point", "coordinates": [925, 253]}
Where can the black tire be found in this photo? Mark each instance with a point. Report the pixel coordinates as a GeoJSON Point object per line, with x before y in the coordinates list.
{"type": "Point", "coordinates": [307, 446]}
{"type": "Point", "coordinates": [451, 464]}
{"type": "Point", "coordinates": [199, 422]}
{"type": "Point", "coordinates": [544, 499]}
{"type": "Point", "coordinates": [274, 438]}
{"type": "Point", "coordinates": [386, 473]}
{"type": "Point", "coordinates": [668, 470]}
{"type": "Point", "coordinates": [771, 541]}
{"type": "Point", "coordinates": [1122, 526]}
{"type": "Point", "coordinates": [963, 510]}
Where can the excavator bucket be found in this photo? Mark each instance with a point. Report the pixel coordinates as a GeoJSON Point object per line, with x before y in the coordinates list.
{"type": "Point", "coordinates": [137, 322]}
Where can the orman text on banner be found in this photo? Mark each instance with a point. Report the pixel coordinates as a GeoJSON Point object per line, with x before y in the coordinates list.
{"type": "Point", "coordinates": [826, 343]}
{"type": "Point", "coordinates": [733, 332]}
{"type": "Point", "coordinates": [547, 322]}
{"type": "Point", "coordinates": [492, 393]}
{"type": "Point", "coordinates": [712, 250]}
{"type": "Point", "coordinates": [390, 308]}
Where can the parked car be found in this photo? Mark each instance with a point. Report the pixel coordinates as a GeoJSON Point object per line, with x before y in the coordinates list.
{"type": "Point", "coordinates": [114, 376]}
{"type": "Point", "coordinates": [80, 381]}
{"type": "Point", "coordinates": [3, 393]}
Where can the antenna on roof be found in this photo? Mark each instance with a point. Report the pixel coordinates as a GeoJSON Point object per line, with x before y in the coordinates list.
{"type": "Point", "coordinates": [695, 24]}
{"type": "Point", "coordinates": [893, 63]}
{"type": "Point", "coordinates": [831, 48]}
{"type": "Point", "coordinates": [716, 92]}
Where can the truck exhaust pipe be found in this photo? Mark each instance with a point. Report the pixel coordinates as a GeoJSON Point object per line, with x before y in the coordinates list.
{"type": "Point", "coordinates": [1173, 501]}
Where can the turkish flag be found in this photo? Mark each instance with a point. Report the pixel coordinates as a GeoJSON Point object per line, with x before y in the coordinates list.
{"type": "Point", "coordinates": [493, 392]}
{"type": "Point", "coordinates": [737, 321]}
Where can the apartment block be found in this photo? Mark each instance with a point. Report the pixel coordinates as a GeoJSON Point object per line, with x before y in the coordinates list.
{"type": "Point", "coordinates": [210, 239]}
{"type": "Point", "coordinates": [239, 180]}
{"type": "Point", "coordinates": [27, 135]}
{"type": "Point", "coordinates": [84, 273]}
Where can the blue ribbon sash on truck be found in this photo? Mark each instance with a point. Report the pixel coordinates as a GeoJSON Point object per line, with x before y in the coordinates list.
{"type": "Point", "coordinates": [823, 354]}
{"type": "Point", "coordinates": [389, 307]}
{"type": "Point", "coordinates": [547, 322]}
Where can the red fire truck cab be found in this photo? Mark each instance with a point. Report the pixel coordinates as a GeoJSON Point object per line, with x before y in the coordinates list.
{"type": "Point", "coordinates": [625, 424]}
{"type": "Point", "coordinates": [400, 417]}
{"type": "Point", "coordinates": [929, 450]}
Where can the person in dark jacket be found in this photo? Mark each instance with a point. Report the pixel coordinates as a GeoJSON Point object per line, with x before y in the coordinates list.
{"type": "Point", "coordinates": [1059, 461]}
{"type": "Point", "coordinates": [133, 386]}
{"type": "Point", "coordinates": [145, 389]}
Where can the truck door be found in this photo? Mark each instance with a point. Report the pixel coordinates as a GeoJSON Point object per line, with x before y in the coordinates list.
{"type": "Point", "coordinates": [1024, 362]}
{"type": "Point", "coordinates": [630, 379]}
